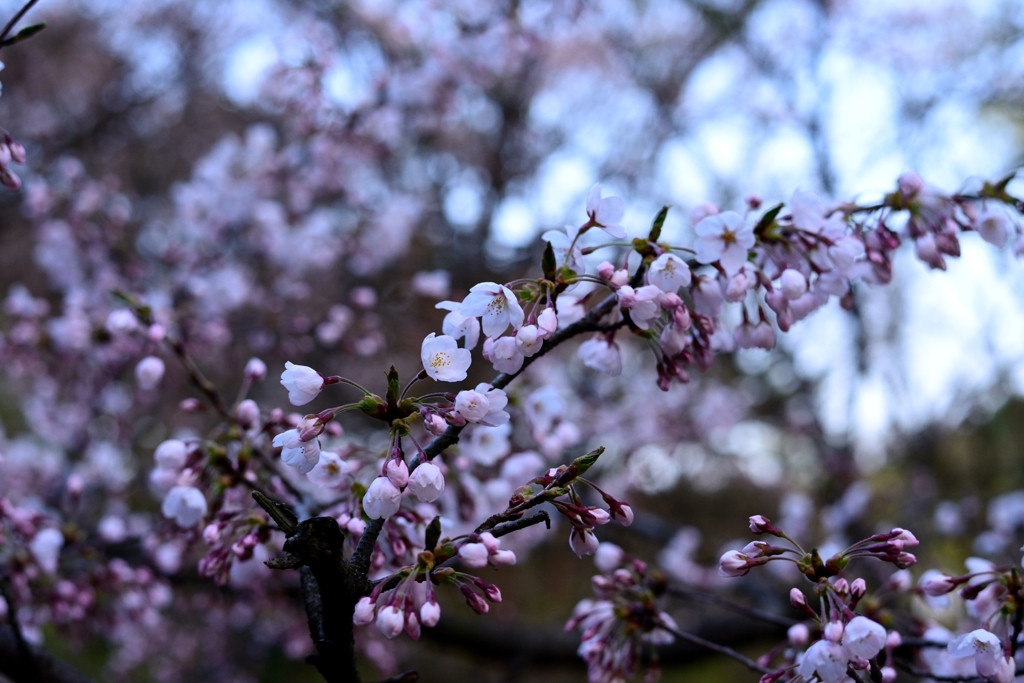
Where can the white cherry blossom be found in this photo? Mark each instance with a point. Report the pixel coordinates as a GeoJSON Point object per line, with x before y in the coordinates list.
{"type": "Point", "coordinates": [329, 471]}
{"type": "Point", "coordinates": [727, 238]}
{"type": "Point", "coordinates": [984, 646]}
{"type": "Point", "coordinates": [607, 212]}
{"type": "Point", "coordinates": [496, 306]}
{"type": "Point", "coordinates": [426, 482]}
{"type": "Point", "coordinates": [668, 273]}
{"type": "Point", "coordinates": [458, 326]}
{"type": "Point", "coordinates": [186, 505]}
{"type": "Point", "coordinates": [382, 499]}
{"type": "Point", "coordinates": [443, 360]}
{"type": "Point", "coordinates": [45, 547]}
{"type": "Point", "coordinates": [303, 383]}
{"type": "Point", "coordinates": [600, 354]}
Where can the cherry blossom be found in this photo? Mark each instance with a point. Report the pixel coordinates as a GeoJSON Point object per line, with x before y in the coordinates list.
{"type": "Point", "coordinates": [668, 273]}
{"type": "Point", "coordinates": [186, 505]}
{"type": "Point", "coordinates": [726, 238]}
{"type": "Point", "coordinates": [303, 383]}
{"type": "Point", "coordinates": [443, 360]}
{"type": "Point", "coordinates": [458, 326]}
{"type": "Point", "coordinates": [329, 471]}
{"type": "Point", "coordinates": [426, 482]}
{"type": "Point", "coordinates": [382, 499]}
{"type": "Point", "coordinates": [605, 213]}
{"type": "Point", "coordinates": [495, 305]}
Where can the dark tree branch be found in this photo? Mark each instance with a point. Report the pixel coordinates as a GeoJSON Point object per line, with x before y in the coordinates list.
{"type": "Point", "coordinates": [33, 665]}
{"type": "Point", "coordinates": [721, 649]}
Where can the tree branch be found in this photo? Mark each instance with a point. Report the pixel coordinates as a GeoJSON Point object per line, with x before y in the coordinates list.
{"type": "Point", "coordinates": [35, 667]}
{"type": "Point", "coordinates": [721, 649]}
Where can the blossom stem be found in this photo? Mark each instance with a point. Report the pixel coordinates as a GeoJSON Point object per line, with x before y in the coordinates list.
{"type": "Point", "coordinates": [421, 375]}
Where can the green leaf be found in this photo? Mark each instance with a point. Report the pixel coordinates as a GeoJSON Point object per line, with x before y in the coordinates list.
{"type": "Point", "coordinates": [767, 220]}
{"type": "Point", "coordinates": [433, 533]}
{"type": "Point", "coordinates": [24, 34]}
{"type": "Point", "coordinates": [659, 221]}
{"type": "Point", "coordinates": [394, 386]}
{"type": "Point", "coordinates": [548, 263]}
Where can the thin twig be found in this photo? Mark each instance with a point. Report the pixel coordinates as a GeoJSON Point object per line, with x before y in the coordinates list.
{"type": "Point", "coordinates": [721, 649]}
{"type": "Point", "coordinates": [752, 612]}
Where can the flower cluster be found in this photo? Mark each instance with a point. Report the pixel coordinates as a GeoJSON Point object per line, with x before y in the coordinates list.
{"type": "Point", "coordinates": [624, 620]}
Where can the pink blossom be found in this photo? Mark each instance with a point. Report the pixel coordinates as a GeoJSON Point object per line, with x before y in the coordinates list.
{"type": "Point", "coordinates": [864, 637]}
{"type": "Point", "coordinates": [382, 499]}
{"type": "Point", "coordinates": [600, 354]}
{"type": "Point", "coordinates": [726, 238]}
{"type": "Point", "coordinates": [473, 555]}
{"type": "Point", "coordinates": [496, 305]}
{"type": "Point", "coordinates": [459, 326]}
{"type": "Point", "coordinates": [606, 213]}
{"type": "Point", "coordinates": [45, 547]}
{"type": "Point", "coordinates": [668, 273]}
{"type": "Point", "coordinates": [186, 505]}
{"type": "Point", "coordinates": [583, 542]}
{"type": "Point", "coordinates": [149, 372]}
{"type": "Point", "coordinates": [329, 472]}
{"type": "Point", "coordinates": [303, 383]}
{"type": "Point", "coordinates": [390, 621]}
{"type": "Point", "coordinates": [397, 473]}
{"type": "Point", "coordinates": [363, 613]}
{"type": "Point", "coordinates": [430, 614]}
{"type": "Point", "coordinates": [171, 455]}
{"type": "Point", "coordinates": [443, 360]}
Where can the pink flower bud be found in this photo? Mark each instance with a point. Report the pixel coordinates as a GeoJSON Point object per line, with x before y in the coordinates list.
{"type": "Point", "coordinates": [430, 614]}
{"type": "Point", "coordinates": [149, 372]}
{"type": "Point", "coordinates": [191, 405]}
{"type": "Point", "coordinates": [888, 674]}
{"type": "Point", "coordinates": [473, 555]}
{"type": "Point", "coordinates": [248, 413]}
{"type": "Point", "coordinates": [489, 541]}
{"type": "Point", "coordinates": [623, 514]}
{"type": "Point", "coordinates": [759, 524]}
{"type": "Point", "coordinates": [908, 539]}
{"type": "Point", "coordinates": [492, 592]}
{"type": "Point", "coordinates": [356, 526]}
{"type": "Point", "coordinates": [547, 322]}
{"type": "Point", "coordinates": [502, 558]}
{"type": "Point", "coordinates": [583, 542]}
{"type": "Point", "coordinates": [793, 284]}
{"type": "Point", "coordinates": [426, 482]}
{"type": "Point", "coordinates": [797, 598]}
{"type": "Point", "coordinates": [390, 621]}
{"type": "Point", "coordinates": [605, 270]}
{"type": "Point", "coordinates": [382, 499]}
{"type": "Point", "coordinates": [171, 455]}
{"type": "Point", "coordinates": [255, 370]}
{"type": "Point", "coordinates": [798, 634]}
{"type": "Point", "coordinates": [904, 560]}
{"type": "Point", "coordinates": [211, 534]}
{"type": "Point", "coordinates": [936, 584]}
{"type": "Point", "coordinates": [17, 151]}
{"type": "Point", "coordinates": [841, 586]}
{"type": "Point", "coordinates": [597, 516]}
{"type": "Point", "coordinates": [833, 631]}
{"type": "Point", "coordinates": [412, 625]}
{"type": "Point", "coordinates": [733, 564]}
{"type": "Point", "coordinates": [435, 424]}
{"type": "Point", "coordinates": [474, 600]}
{"type": "Point", "coordinates": [859, 588]}
{"type": "Point", "coordinates": [398, 473]}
